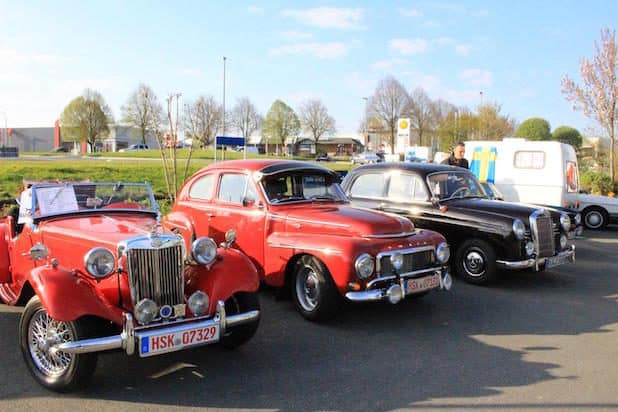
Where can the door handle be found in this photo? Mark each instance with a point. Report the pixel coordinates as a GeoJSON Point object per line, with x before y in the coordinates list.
{"type": "Point", "coordinates": [210, 214]}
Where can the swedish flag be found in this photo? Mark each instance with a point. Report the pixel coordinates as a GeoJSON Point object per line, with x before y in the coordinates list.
{"type": "Point", "coordinates": [484, 163]}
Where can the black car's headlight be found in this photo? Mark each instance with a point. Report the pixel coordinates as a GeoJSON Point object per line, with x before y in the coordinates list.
{"type": "Point", "coordinates": [565, 222]}
{"type": "Point", "coordinates": [519, 229]}
{"type": "Point", "coordinates": [99, 262]}
{"type": "Point", "coordinates": [578, 218]}
{"type": "Point", "coordinates": [443, 252]}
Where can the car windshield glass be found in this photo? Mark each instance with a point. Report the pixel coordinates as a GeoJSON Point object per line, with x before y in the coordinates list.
{"type": "Point", "coordinates": [50, 199]}
{"type": "Point", "coordinates": [302, 187]}
{"type": "Point", "coordinates": [455, 185]}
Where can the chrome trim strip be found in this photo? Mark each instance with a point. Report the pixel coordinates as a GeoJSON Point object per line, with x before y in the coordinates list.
{"type": "Point", "coordinates": [528, 263]}
{"type": "Point", "coordinates": [380, 294]}
{"type": "Point", "coordinates": [326, 250]}
{"type": "Point", "coordinates": [389, 235]}
{"type": "Point", "coordinates": [404, 275]}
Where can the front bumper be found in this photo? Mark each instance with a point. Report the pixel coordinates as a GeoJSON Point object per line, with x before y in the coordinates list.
{"type": "Point", "coordinates": [567, 255]}
{"type": "Point", "coordinates": [393, 287]}
{"type": "Point", "coordinates": [129, 337]}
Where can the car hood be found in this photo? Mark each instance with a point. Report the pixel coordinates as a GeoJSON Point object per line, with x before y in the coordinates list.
{"type": "Point", "coordinates": [86, 232]}
{"type": "Point", "coordinates": [345, 220]}
{"type": "Point", "coordinates": [497, 208]}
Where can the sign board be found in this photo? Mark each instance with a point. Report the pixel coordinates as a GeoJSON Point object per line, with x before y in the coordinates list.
{"type": "Point", "coordinates": [403, 135]}
{"type": "Point", "coordinates": [230, 141]}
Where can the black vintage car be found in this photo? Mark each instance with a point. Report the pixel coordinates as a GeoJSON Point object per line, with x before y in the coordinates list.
{"type": "Point", "coordinates": [485, 235]}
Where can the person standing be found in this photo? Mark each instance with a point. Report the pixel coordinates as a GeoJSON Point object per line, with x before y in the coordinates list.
{"type": "Point", "coordinates": [457, 157]}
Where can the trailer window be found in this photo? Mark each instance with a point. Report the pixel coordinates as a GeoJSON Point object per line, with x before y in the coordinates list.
{"type": "Point", "coordinates": [529, 160]}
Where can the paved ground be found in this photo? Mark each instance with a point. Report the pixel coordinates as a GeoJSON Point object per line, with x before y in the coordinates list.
{"type": "Point", "coordinates": [532, 341]}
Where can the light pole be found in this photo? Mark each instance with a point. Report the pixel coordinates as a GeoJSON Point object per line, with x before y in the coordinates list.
{"type": "Point", "coordinates": [366, 99]}
{"type": "Point", "coordinates": [6, 130]}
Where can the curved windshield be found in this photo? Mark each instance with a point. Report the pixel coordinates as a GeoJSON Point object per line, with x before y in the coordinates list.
{"type": "Point", "coordinates": [455, 185]}
{"type": "Point", "coordinates": [290, 187]}
{"type": "Point", "coordinates": [51, 199]}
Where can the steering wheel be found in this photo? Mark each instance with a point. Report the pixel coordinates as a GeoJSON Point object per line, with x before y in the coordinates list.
{"type": "Point", "coordinates": [462, 190]}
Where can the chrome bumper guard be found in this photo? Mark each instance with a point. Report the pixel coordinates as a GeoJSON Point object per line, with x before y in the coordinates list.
{"type": "Point", "coordinates": [127, 339]}
{"type": "Point", "coordinates": [386, 292]}
{"type": "Point", "coordinates": [567, 254]}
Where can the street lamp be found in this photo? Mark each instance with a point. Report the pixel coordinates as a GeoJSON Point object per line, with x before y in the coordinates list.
{"type": "Point", "coordinates": [6, 130]}
{"type": "Point", "coordinates": [366, 99]}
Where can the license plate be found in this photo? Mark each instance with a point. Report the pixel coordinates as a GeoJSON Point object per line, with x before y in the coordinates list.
{"type": "Point", "coordinates": [421, 284]}
{"type": "Point", "coordinates": [155, 343]}
{"type": "Point", "coordinates": [550, 262]}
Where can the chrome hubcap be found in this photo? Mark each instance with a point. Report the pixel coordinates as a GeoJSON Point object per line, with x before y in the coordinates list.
{"type": "Point", "coordinates": [594, 219]}
{"type": "Point", "coordinates": [307, 289]}
{"type": "Point", "coordinates": [43, 333]}
{"type": "Point", "coordinates": [474, 264]}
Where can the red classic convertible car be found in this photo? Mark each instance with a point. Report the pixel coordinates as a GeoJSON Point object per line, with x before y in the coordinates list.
{"type": "Point", "coordinates": [294, 222]}
{"type": "Point", "coordinates": [96, 271]}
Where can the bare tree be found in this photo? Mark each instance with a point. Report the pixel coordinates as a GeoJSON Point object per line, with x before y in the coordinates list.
{"type": "Point", "coordinates": [388, 103]}
{"type": "Point", "coordinates": [315, 119]}
{"type": "Point", "coordinates": [245, 117]}
{"type": "Point", "coordinates": [203, 119]}
{"type": "Point", "coordinates": [599, 94]}
{"type": "Point", "coordinates": [143, 111]}
{"type": "Point", "coordinates": [422, 112]}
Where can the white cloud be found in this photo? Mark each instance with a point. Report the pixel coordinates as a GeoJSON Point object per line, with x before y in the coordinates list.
{"type": "Point", "coordinates": [252, 9]}
{"type": "Point", "coordinates": [386, 65]}
{"type": "Point", "coordinates": [463, 49]}
{"type": "Point", "coordinates": [410, 12]}
{"type": "Point", "coordinates": [293, 35]}
{"type": "Point", "coordinates": [13, 57]}
{"type": "Point", "coordinates": [328, 17]}
{"type": "Point", "coordinates": [477, 77]}
{"type": "Point", "coordinates": [330, 50]}
{"type": "Point", "coordinates": [409, 46]}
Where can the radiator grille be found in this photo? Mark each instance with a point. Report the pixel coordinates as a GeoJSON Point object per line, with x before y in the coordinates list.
{"type": "Point", "coordinates": [156, 274]}
{"type": "Point", "coordinates": [412, 261]}
{"type": "Point", "coordinates": [542, 225]}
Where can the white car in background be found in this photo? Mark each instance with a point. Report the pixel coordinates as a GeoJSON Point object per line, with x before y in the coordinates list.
{"type": "Point", "coordinates": [597, 211]}
{"type": "Point", "coordinates": [366, 157]}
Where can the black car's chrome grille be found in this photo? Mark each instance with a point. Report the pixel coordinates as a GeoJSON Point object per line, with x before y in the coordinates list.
{"type": "Point", "coordinates": [413, 260]}
{"type": "Point", "coordinates": [156, 274]}
{"type": "Point", "coordinates": [543, 234]}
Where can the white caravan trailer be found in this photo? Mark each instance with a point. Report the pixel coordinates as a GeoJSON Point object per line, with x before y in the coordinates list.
{"type": "Point", "coordinates": [539, 172]}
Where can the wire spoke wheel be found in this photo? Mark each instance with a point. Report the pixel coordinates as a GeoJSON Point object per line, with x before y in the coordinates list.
{"type": "Point", "coordinates": [43, 334]}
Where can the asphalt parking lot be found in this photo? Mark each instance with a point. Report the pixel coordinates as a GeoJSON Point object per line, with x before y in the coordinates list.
{"type": "Point", "coordinates": [532, 341]}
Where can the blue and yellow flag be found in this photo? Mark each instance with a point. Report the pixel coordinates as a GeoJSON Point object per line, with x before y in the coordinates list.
{"type": "Point", "coordinates": [483, 163]}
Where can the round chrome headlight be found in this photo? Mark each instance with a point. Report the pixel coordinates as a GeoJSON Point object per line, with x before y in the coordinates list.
{"type": "Point", "coordinates": [397, 261]}
{"type": "Point", "coordinates": [204, 250]}
{"type": "Point", "coordinates": [529, 248]}
{"type": "Point", "coordinates": [565, 221]}
{"type": "Point", "coordinates": [578, 218]}
{"type": "Point", "coordinates": [364, 266]}
{"type": "Point", "coordinates": [145, 311]}
{"type": "Point", "coordinates": [99, 262]}
{"type": "Point", "coordinates": [443, 252]}
{"type": "Point", "coordinates": [198, 303]}
{"type": "Point", "coordinates": [519, 229]}
{"type": "Point", "coordinates": [563, 241]}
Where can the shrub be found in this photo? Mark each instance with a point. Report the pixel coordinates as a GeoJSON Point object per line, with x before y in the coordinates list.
{"type": "Point", "coordinates": [596, 182]}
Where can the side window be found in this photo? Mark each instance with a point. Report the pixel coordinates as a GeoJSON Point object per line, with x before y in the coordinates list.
{"type": "Point", "coordinates": [400, 188]}
{"type": "Point", "coordinates": [202, 189]}
{"type": "Point", "coordinates": [420, 192]}
{"type": "Point", "coordinates": [232, 188]}
{"type": "Point", "coordinates": [368, 185]}
{"type": "Point", "coordinates": [529, 160]}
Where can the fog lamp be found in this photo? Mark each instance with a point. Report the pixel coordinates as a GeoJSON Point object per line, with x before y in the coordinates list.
{"type": "Point", "coordinates": [394, 294]}
{"type": "Point", "coordinates": [397, 261]}
{"type": "Point", "coordinates": [529, 248]}
{"type": "Point", "coordinates": [198, 303]}
{"type": "Point", "coordinates": [145, 311]}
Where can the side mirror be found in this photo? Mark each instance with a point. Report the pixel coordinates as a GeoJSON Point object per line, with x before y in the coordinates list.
{"type": "Point", "coordinates": [248, 201]}
{"type": "Point", "coordinates": [435, 201]}
{"type": "Point", "coordinates": [230, 238]}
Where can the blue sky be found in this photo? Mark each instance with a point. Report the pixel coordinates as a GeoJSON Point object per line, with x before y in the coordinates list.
{"type": "Point", "coordinates": [514, 52]}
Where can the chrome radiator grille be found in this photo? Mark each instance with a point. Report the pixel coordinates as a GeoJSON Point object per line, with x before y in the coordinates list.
{"type": "Point", "coordinates": [156, 274]}
{"type": "Point", "coordinates": [543, 235]}
{"type": "Point", "coordinates": [412, 260]}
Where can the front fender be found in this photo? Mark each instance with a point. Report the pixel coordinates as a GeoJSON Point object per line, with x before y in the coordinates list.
{"type": "Point", "coordinates": [181, 224]}
{"type": "Point", "coordinates": [67, 297]}
{"type": "Point", "coordinates": [232, 272]}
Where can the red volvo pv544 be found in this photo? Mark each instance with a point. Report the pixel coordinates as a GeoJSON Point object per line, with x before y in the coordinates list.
{"type": "Point", "coordinates": [96, 271]}
{"type": "Point", "coordinates": [293, 220]}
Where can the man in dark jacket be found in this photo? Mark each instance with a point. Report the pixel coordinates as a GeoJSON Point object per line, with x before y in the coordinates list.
{"type": "Point", "coordinates": [457, 157]}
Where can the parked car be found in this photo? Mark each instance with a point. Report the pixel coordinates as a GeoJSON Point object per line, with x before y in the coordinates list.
{"type": "Point", "coordinates": [367, 157]}
{"type": "Point", "coordinates": [323, 157]}
{"type": "Point", "coordinates": [97, 271]}
{"type": "Point", "coordinates": [486, 235]}
{"type": "Point", "coordinates": [134, 147]}
{"type": "Point", "coordinates": [294, 222]}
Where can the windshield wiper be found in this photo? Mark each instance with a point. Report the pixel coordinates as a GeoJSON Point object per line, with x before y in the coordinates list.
{"type": "Point", "coordinates": [287, 199]}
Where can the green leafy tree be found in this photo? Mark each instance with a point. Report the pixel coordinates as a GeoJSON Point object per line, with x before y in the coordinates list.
{"type": "Point", "coordinates": [534, 128]}
{"type": "Point", "coordinates": [491, 124]}
{"type": "Point", "coordinates": [281, 122]}
{"type": "Point", "coordinates": [568, 135]}
{"type": "Point", "coordinates": [86, 119]}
